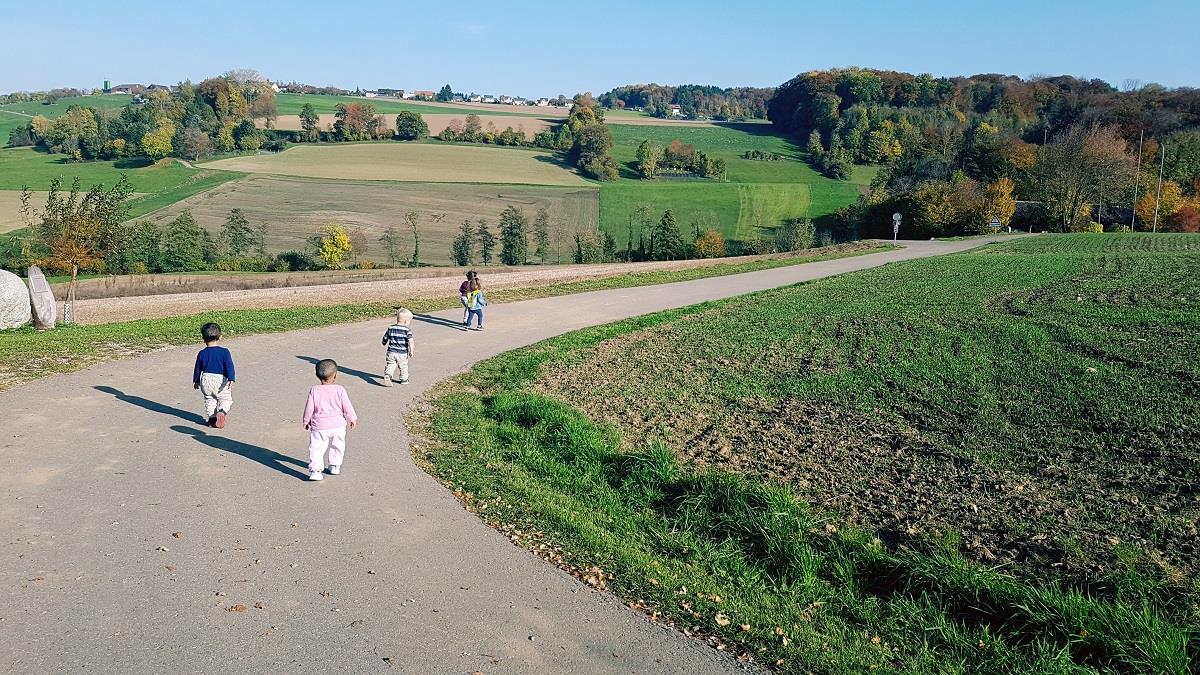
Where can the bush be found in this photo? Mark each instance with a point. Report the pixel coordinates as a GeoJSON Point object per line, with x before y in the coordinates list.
{"type": "Point", "coordinates": [294, 261]}
{"type": "Point", "coordinates": [275, 145]}
{"type": "Point", "coordinates": [601, 169]}
{"type": "Point", "coordinates": [245, 264]}
{"type": "Point", "coordinates": [709, 245]}
{"type": "Point", "coordinates": [757, 247]}
{"type": "Point", "coordinates": [1186, 219]}
{"type": "Point", "coordinates": [794, 235]}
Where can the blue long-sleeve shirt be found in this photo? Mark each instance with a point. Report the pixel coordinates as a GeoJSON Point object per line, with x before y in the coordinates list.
{"type": "Point", "coordinates": [216, 360]}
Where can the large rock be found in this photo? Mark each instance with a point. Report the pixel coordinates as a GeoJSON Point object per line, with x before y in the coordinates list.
{"type": "Point", "coordinates": [45, 310]}
{"type": "Point", "coordinates": [14, 301]}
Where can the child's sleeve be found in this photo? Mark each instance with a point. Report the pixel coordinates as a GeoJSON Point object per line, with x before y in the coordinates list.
{"type": "Point", "coordinates": [385, 336]}
{"type": "Point", "coordinates": [196, 370]}
{"type": "Point", "coordinates": [229, 374]}
{"type": "Point", "coordinates": [347, 408]}
{"type": "Point", "coordinates": [309, 408]}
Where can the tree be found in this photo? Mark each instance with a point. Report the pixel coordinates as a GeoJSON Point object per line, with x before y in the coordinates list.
{"type": "Point", "coordinates": [142, 253]}
{"type": "Point", "coordinates": [999, 201]}
{"type": "Point", "coordinates": [196, 144]}
{"type": "Point", "coordinates": [794, 234]}
{"type": "Point", "coordinates": [1170, 201]}
{"type": "Point", "coordinates": [1186, 219]}
{"type": "Point", "coordinates": [334, 246]}
{"type": "Point", "coordinates": [679, 155]}
{"type": "Point", "coordinates": [541, 234]}
{"type": "Point", "coordinates": [310, 123]}
{"type": "Point", "coordinates": [158, 143]}
{"type": "Point", "coordinates": [186, 247]}
{"type": "Point", "coordinates": [260, 240]}
{"type": "Point", "coordinates": [391, 244]}
{"type": "Point", "coordinates": [462, 249]}
{"type": "Point", "coordinates": [472, 130]}
{"type": "Point", "coordinates": [413, 219]}
{"type": "Point", "coordinates": [358, 243]}
{"type": "Point", "coordinates": [514, 245]}
{"type": "Point", "coordinates": [75, 230]}
{"type": "Point", "coordinates": [710, 244]}
{"type": "Point", "coordinates": [668, 242]}
{"type": "Point", "coordinates": [445, 94]}
{"type": "Point", "coordinates": [236, 234]}
{"type": "Point", "coordinates": [649, 155]}
{"type": "Point", "coordinates": [247, 136]}
{"type": "Point", "coordinates": [487, 242]}
{"type": "Point", "coordinates": [1072, 167]}
{"type": "Point", "coordinates": [410, 126]}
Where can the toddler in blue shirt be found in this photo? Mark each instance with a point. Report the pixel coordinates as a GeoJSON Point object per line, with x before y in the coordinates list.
{"type": "Point", "coordinates": [213, 376]}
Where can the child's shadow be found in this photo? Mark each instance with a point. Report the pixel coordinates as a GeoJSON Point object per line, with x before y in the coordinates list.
{"type": "Point", "coordinates": [153, 406]}
{"type": "Point", "coordinates": [268, 458]}
{"type": "Point", "coordinates": [369, 378]}
{"type": "Point", "coordinates": [438, 321]}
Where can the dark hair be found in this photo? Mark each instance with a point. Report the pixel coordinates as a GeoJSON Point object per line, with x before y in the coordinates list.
{"type": "Point", "coordinates": [210, 332]}
{"type": "Point", "coordinates": [326, 368]}
{"type": "Point", "coordinates": [472, 275]}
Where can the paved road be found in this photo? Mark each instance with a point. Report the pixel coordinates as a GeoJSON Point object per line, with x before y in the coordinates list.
{"type": "Point", "coordinates": [378, 569]}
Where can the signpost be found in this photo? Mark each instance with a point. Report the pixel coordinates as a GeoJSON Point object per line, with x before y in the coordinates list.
{"type": "Point", "coordinates": [896, 225]}
{"type": "Point", "coordinates": [995, 223]}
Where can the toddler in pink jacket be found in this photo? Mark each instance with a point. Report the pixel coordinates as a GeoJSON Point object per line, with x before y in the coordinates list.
{"type": "Point", "coordinates": [326, 416]}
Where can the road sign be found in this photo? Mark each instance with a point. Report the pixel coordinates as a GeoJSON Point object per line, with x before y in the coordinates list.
{"type": "Point", "coordinates": [995, 224]}
{"type": "Point", "coordinates": [896, 217]}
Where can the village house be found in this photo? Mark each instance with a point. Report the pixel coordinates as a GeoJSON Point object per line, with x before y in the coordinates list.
{"type": "Point", "coordinates": [676, 110]}
{"type": "Point", "coordinates": [543, 101]}
{"type": "Point", "coordinates": [131, 89]}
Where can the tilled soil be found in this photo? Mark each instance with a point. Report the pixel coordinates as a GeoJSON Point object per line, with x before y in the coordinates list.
{"type": "Point", "coordinates": [1063, 512]}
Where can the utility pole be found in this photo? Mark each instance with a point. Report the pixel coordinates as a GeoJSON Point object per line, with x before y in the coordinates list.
{"type": "Point", "coordinates": [1161, 162]}
{"type": "Point", "coordinates": [1137, 173]}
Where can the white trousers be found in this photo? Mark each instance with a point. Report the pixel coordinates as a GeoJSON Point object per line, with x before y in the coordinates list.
{"type": "Point", "coordinates": [322, 440]}
{"type": "Point", "coordinates": [218, 393]}
{"type": "Point", "coordinates": [396, 360]}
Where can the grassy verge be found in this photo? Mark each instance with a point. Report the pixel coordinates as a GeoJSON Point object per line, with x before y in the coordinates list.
{"type": "Point", "coordinates": [26, 354]}
{"type": "Point", "coordinates": [1028, 352]}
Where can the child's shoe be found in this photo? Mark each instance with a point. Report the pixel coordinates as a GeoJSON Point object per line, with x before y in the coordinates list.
{"type": "Point", "coordinates": [403, 381]}
{"type": "Point", "coordinates": [316, 475]}
{"type": "Point", "coordinates": [212, 421]}
{"type": "Point", "coordinates": [335, 469]}
{"type": "Point", "coordinates": [387, 381]}
{"type": "Point", "coordinates": [219, 421]}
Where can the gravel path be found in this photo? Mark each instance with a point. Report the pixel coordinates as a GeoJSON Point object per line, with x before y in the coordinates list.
{"type": "Point", "coordinates": [138, 541]}
{"type": "Point", "coordinates": [112, 310]}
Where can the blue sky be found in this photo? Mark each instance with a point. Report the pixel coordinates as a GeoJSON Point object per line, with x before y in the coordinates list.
{"type": "Point", "coordinates": [544, 48]}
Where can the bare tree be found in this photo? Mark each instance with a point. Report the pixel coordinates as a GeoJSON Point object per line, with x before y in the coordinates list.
{"type": "Point", "coordinates": [414, 221]}
{"type": "Point", "coordinates": [1071, 168]}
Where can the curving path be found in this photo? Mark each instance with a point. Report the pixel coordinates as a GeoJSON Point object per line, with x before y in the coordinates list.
{"type": "Point", "coordinates": [378, 569]}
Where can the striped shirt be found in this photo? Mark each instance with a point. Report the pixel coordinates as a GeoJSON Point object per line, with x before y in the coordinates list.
{"type": "Point", "coordinates": [397, 338]}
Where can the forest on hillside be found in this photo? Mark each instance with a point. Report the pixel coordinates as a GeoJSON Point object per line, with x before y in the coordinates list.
{"type": "Point", "coordinates": [958, 150]}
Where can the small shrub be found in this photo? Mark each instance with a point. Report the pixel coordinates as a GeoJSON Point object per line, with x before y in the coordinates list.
{"type": "Point", "coordinates": [294, 261]}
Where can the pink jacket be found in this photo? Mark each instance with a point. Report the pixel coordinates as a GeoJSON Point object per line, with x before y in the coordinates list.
{"type": "Point", "coordinates": [328, 407]}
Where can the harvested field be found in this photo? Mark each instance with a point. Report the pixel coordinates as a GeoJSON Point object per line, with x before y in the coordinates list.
{"type": "Point", "coordinates": [437, 122]}
{"type": "Point", "coordinates": [10, 208]}
{"type": "Point", "coordinates": [412, 162]}
{"type": "Point", "coordinates": [439, 283]}
{"type": "Point", "coordinates": [294, 209]}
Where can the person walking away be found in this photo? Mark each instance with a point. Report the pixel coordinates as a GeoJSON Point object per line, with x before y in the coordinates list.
{"type": "Point", "coordinates": [463, 289]}
{"type": "Point", "coordinates": [213, 375]}
{"type": "Point", "coordinates": [327, 415]}
{"type": "Point", "coordinates": [399, 342]}
{"type": "Point", "coordinates": [476, 301]}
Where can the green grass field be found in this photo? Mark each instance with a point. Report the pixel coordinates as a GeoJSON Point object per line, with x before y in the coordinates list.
{"type": "Point", "coordinates": [161, 183]}
{"type": "Point", "coordinates": [13, 115]}
{"type": "Point", "coordinates": [758, 194]}
{"type": "Point", "coordinates": [290, 104]}
{"type": "Point", "coordinates": [977, 463]}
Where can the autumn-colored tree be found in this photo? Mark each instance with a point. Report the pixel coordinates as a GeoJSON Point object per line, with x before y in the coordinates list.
{"type": "Point", "coordinates": [391, 244]}
{"type": "Point", "coordinates": [358, 243]}
{"type": "Point", "coordinates": [414, 223]}
{"type": "Point", "coordinates": [998, 200]}
{"type": "Point", "coordinates": [75, 230]}
{"type": "Point", "coordinates": [334, 246]}
{"type": "Point", "coordinates": [679, 155]}
{"type": "Point", "coordinates": [310, 123]}
{"type": "Point", "coordinates": [1186, 219]}
{"type": "Point", "coordinates": [1073, 167]}
{"type": "Point", "coordinates": [1169, 202]}
{"type": "Point", "coordinates": [157, 144]}
{"type": "Point", "coordinates": [709, 245]}
{"type": "Point", "coordinates": [649, 156]}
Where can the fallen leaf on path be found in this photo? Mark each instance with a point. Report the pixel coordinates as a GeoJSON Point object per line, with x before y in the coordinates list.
{"type": "Point", "coordinates": [259, 605]}
{"type": "Point", "coordinates": [239, 608]}
{"type": "Point", "coordinates": [177, 535]}
{"type": "Point", "coordinates": [38, 579]}
{"type": "Point", "coordinates": [164, 549]}
{"type": "Point", "coordinates": [721, 619]}
{"type": "Point", "coordinates": [325, 594]}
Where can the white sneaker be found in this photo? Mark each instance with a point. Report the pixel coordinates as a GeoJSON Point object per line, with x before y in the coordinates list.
{"type": "Point", "coordinates": [316, 475]}
{"type": "Point", "coordinates": [335, 469]}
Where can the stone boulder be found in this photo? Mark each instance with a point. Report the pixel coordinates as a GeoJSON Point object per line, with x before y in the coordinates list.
{"type": "Point", "coordinates": [14, 301]}
{"type": "Point", "coordinates": [45, 310]}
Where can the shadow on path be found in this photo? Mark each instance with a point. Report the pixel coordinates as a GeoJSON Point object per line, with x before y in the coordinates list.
{"type": "Point", "coordinates": [369, 378]}
{"type": "Point", "coordinates": [268, 458]}
{"type": "Point", "coordinates": [438, 321]}
{"type": "Point", "coordinates": [153, 406]}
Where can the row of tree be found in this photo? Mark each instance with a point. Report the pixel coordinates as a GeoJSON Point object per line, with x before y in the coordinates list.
{"type": "Point", "coordinates": [693, 100]}
{"type": "Point", "coordinates": [192, 121]}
